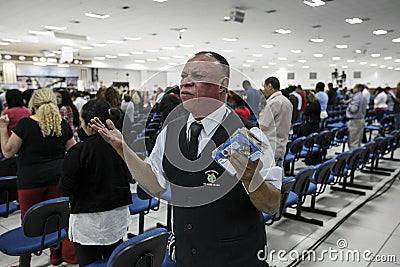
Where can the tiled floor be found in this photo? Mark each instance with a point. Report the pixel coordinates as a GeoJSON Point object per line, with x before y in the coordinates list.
{"type": "Point", "coordinates": [374, 227]}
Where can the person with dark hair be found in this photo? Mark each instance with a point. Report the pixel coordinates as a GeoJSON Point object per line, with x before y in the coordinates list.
{"type": "Point", "coordinates": [68, 111]}
{"type": "Point", "coordinates": [332, 99]}
{"type": "Point", "coordinates": [217, 213]}
{"type": "Point", "coordinates": [96, 180]}
{"type": "Point", "coordinates": [301, 92]}
{"type": "Point", "coordinates": [240, 107]}
{"type": "Point", "coordinates": [275, 118]}
{"type": "Point", "coordinates": [296, 100]}
{"type": "Point", "coordinates": [26, 95]}
{"type": "Point", "coordinates": [253, 99]}
{"type": "Point", "coordinates": [396, 107]}
{"type": "Point", "coordinates": [390, 99]}
{"type": "Point", "coordinates": [322, 99]}
{"type": "Point", "coordinates": [380, 105]}
{"type": "Point", "coordinates": [16, 109]}
{"type": "Point", "coordinates": [169, 101]}
{"type": "Point", "coordinates": [355, 114]}
{"type": "Point", "coordinates": [312, 117]}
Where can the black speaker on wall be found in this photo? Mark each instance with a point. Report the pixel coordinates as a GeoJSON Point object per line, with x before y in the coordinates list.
{"type": "Point", "coordinates": [95, 74]}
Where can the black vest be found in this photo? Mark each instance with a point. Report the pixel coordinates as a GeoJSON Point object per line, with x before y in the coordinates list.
{"type": "Point", "coordinates": [219, 225]}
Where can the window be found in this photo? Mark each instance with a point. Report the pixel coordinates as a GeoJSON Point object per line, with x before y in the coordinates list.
{"type": "Point", "coordinates": [357, 75]}
{"type": "Point", "coordinates": [313, 75]}
{"type": "Point", "coordinates": [290, 76]}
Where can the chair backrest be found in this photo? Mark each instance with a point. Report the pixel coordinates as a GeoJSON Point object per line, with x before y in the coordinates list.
{"type": "Point", "coordinates": [145, 250]}
{"type": "Point", "coordinates": [8, 189]}
{"type": "Point", "coordinates": [8, 166]}
{"type": "Point", "coordinates": [385, 145]}
{"type": "Point", "coordinates": [322, 173]}
{"type": "Point", "coordinates": [354, 159]}
{"type": "Point", "coordinates": [297, 146]}
{"type": "Point", "coordinates": [310, 141]}
{"type": "Point", "coordinates": [285, 190]}
{"type": "Point", "coordinates": [340, 164]}
{"type": "Point", "coordinates": [303, 179]}
{"type": "Point", "coordinates": [46, 217]}
{"type": "Point", "coordinates": [341, 133]}
{"type": "Point", "coordinates": [324, 139]}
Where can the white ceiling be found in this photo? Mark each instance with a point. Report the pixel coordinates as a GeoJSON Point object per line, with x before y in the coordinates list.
{"type": "Point", "coordinates": [206, 27]}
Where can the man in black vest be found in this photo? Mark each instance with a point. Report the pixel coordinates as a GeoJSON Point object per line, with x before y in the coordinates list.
{"type": "Point", "coordinates": [217, 213]}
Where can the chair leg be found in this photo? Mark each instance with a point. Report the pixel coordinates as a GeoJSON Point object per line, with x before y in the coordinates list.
{"type": "Point", "coordinates": [141, 223]}
{"type": "Point", "coordinates": [319, 211]}
{"type": "Point", "coordinates": [303, 219]}
{"type": "Point", "coordinates": [346, 190]}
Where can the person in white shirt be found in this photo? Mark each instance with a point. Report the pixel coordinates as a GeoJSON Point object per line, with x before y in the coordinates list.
{"type": "Point", "coordinates": [78, 100]}
{"type": "Point", "coordinates": [366, 94]}
{"type": "Point", "coordinates": [380, 105]}
{"type": "Point", "coordinates": [203, 192]}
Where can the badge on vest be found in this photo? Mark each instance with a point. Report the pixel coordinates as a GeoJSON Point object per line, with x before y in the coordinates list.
{"type": "Point", "coordinates": [211, 178]}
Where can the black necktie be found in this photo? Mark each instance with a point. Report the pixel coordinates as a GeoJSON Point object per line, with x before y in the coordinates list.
{"type": "Point", "coordinates": [195, 130]}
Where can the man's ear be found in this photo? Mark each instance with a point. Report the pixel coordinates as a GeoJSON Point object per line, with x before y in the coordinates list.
{"type": "Point", "coordinates": [224, 85]}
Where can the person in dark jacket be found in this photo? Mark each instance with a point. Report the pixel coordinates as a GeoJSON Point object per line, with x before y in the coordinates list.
{"type": "Point", "coordinates": [312, 115]}
{"type": "Point", "coordinates": [96, 180]}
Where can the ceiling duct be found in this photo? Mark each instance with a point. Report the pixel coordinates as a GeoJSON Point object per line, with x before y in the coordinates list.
{"type": "Point", "coordinates": [70, 36]}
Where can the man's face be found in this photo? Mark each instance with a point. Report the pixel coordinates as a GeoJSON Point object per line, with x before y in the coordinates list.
{"type": "Point", "coordinates": [268, 90]}
{"type": "Point", "coordinates": [202, 78]}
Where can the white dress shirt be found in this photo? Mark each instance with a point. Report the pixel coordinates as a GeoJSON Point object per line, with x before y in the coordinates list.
{"type": "Point", "coordinates": [270, 172]}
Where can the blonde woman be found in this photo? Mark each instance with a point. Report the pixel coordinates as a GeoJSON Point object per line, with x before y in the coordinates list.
{"type": "Point", "coordinates": [41, 141]}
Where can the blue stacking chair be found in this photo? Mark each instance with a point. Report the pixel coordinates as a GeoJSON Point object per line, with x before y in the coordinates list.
{"type": "Point", "coordinates": [339, 168]}
{"type": "Point", "coordinates": [147, 250]}
{"type": "Point", "coordinates": [8, 194]}
{"type": "Point", "coordinates": [294, 152]}
{"type": "Point", "coordinates": [43, 226]}
{"type": "Point", "coordinates": [142, 207]}
{"type": "Point", "coordinates": [385, 123]}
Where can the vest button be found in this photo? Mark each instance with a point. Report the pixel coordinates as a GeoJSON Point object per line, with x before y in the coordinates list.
{"type": "Point", "coordinates": [194, 251]}
{"type": "Point", "coordinates": [189, 226]}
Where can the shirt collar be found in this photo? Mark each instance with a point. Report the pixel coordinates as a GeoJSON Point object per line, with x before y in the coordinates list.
{"type": "Point", "coordinates": [212, 121]}
{"type": "Point", "coordinates": [275, 95]}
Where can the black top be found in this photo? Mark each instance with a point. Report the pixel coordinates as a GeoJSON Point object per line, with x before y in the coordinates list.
{"type": "Point", "coordinates": [227, 230]}
{"type": "Point", "coordinates": [313, 112]}
{"type": "Point", "coordinates": [396, 107]}
{"type": "Point", "coordinates": [95, 177]}
{"type": "Point", "coordinates": [40, 158]}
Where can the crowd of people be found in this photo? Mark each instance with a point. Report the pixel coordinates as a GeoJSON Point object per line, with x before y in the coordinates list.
{"type": "Point", "coordinates": [68, 145]}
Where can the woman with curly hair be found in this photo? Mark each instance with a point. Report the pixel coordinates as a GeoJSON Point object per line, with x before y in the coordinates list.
{"type": "Point", "coordinates": [68, 111]}
{"type": "Point", "coordinates": [41, 140]}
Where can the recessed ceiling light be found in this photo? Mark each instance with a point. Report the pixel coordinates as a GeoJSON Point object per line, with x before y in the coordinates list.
{"type": "Point", "coordinates": [160, 1]}
{"type": "Point", "coordinates": [55, 28]}
{"type": "Point", "coordinates": [140, 61]}
{"type": "Point", "coordinates": [314, 3]}
{"type": "Point", "coordinates": [397, 60]}
{"type": "Point", "coordinates": [332, 65]}
{"type": "Point", "coordinates": [152, 50]}
{"type": "Point", "coordinates": [296, 51]}
{"type": "Point", "coordinates": [35, 59]}
{"type": "Point", "coordinates": [302, 61]}
{"type": "Point", "coordinates": [363, 63]}
{"type": "Point", "coordinates": [165, 58]}
{"type": "Point", "coordinates": [22, 58]}
{"type": "Point", "coordinates": [227, 39]}
{"type": "Point", "coordinates": [98, 44]}
{"type": "Point", "coordinates": [176, 56]}
{"type": "Point", "coordinates": [226, 50]}
{"type": "Point", "coordinates": [283, 31]}
{"type": "Point", "coordinates": [318, 55]}
{"type": "Point", "coordinates": [373, 64]}
{"type": "Point", "coordinates": [123, 54]}
{"type": "Point", "coordinates": [282, 58]}
{"type": "Point", "coordinates": [257, 55]}
{"type": "Point", "coordinates": [111, 56]}
{"type": "Point", "coordinates": [4, 43]}
{"type": "Point", "coordinates": [132, 38]}
{"type": "Point", "coordinates": [114, 41]}
{"type": "Point", "coordinates": [397, 68]}
{"type": "Point", "coordinates": [382, 66]}
{"type": "Point", "coordinates": [290, 65]}
{"type": "Point", "coordinates": [272, 63]}
{"type": "Point", "coordinates": [99, 58]}
{"type": "Point", "coordinates": [246, 65]}
{"type": "Point", "coordinates": [38, 32]}
{"type": "Point", "coordinates": [42, 59]}
{"type": "Point", "coordinates": [97, 15]}
{"type": "Point", "coordinates": [390, 67]}
{"type": "Point", "coordinates": [316, 40]}
{"type": "Point", "coordinates": [354, 21]}
{"type": "Point", "coordinates": [380, 32]}
{"type": "Point", "coordinates": [375, 55]}
{"type": "Point", "coordinates": [227, 18]}
{"type": "Point", "coordinates": [137, 52]}
{"type": "Point", "coordinates": [8, 57]}
{"type": "Point", "coordinates": [306, 67]}
{"type": "Point", "coordinates": [87, 47]}
{"type": "Point", "coordinates": [351, 61]}
{"type": "Point", "coordinates": [52, 60]}
{"type": "Point", "coordinates": [358, 51]}
{"type": "Point", "coordinates": [345, 67]}
{"type": "Point", "coordinates": [396, 40]}
{"type": "Point", "coordinates": [268, 45]}
{"type": "Point", "coordinates": [76, 61]}
{"type": "Point", "coordinates": [11, 40]}
{"type": "Point", "coordinates": [341, 46]}
{"type": "Point", "coordinates": [168, 47]}
{"type": "Point", "coordinates": [387, 58]}
{"type": "Point", "coordinates": [186, 45]}
{"type": "Point", "coordinates": [265, 67]}
{"type": "Point", "coordinates": [335, 58]}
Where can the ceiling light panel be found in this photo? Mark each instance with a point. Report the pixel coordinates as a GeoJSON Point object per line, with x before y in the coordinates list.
{"type": "Point", "coordinates": [317, 40]}
{"type": "Point", "coordinates": [230, 39]}
{"type": "Point", "coordinates": [55, 28]}
{"type": "Point", "coordinates": [314, 3]}
{"type": "Point", "coordinates": [283, 31]}
{"type": "Point", "coordinates": [380, 32]}
{"type": "Point", "coordinates": [97, 15]}
{"type": "Point", "coordinates": [11, 40]}
{"type": "Point", "coordinates": [354, 21]}
{"type": "Point", "coordinates": [342, 46]}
